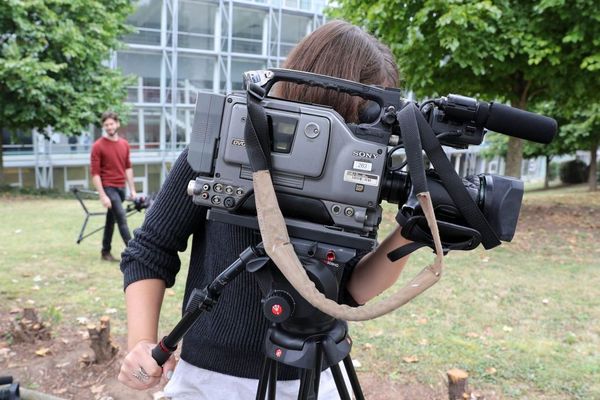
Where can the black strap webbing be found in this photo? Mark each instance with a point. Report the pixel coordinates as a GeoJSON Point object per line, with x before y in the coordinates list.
{"type": "Point", "coordinates": [454, 185]}
{"type": "Point", "coordinates": [256, 131]}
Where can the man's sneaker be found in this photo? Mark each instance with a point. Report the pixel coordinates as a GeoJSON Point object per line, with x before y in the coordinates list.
{"type": "Point", "coordinates": [106, 256]}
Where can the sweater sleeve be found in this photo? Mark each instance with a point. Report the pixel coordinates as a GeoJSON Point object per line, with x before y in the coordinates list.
{"type": "Point", "coordinates": [169, 222]}
{"type": "Point", "coordinates": [95, 160]}
{"type": "Point", "coordinates": [128, 159]}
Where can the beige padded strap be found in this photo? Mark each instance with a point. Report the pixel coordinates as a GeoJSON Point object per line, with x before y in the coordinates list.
{"type": "Point", "coordinates": [277, 245]}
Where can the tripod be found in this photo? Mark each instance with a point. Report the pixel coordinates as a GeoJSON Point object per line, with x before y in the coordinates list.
{"type": "Point", "coordinates": [300, 336]}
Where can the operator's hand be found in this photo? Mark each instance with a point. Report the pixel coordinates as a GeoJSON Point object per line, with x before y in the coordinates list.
{"type": "Point", "coordinates": [105, 200]}
{"type": "Point", "coordinates": [133, 195]}
{"type": "Point", "coordinates": [140, 371]}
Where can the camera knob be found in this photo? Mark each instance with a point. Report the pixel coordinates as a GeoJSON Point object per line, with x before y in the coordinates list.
{"type": "Point", "coordinates": [279, 306]}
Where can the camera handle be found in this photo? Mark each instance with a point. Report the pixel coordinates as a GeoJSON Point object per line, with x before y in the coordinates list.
{"type": "Point", "coordinates": [385, 97]}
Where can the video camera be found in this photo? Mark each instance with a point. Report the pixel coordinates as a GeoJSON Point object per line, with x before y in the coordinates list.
{"type": "Point", "coordinates": [329, 179]}
{"type": "Point", "coordinates": [331, 176]}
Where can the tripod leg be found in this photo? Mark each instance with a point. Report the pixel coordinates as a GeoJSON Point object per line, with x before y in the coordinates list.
{"type": "Point", "coordinates": [272, 380]}
{"type": "Point", "coordinates": [318, 367]}
{"type": "Point", "coordinates": [339, 382]}
{"type": "Point", "coordinates": [353, 378]}
{"type": "Point", "coordinates": [306, 379]}
{"type": "Point", "coordinates": [261, 392]}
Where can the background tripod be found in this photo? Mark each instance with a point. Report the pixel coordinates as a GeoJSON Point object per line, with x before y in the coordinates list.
{"type": "Point", "coordinates": [301, 336]}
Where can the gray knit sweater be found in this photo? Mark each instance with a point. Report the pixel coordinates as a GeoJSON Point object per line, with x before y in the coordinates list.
{"type": "Point", "coordinates": [228, 339]}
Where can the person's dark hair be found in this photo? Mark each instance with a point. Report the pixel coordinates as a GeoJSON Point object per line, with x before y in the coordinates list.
{"type": "Point", "coordinates": [344, 51]}
{"type": "Point", "coordinates": [109, 114]}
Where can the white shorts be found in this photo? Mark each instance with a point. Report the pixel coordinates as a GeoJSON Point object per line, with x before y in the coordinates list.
{"type": "Point", "coordinates": [192, 383]}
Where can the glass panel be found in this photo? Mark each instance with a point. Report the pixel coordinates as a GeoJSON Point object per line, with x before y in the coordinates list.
{"type": "Point", "coordinates": [145, 65]}
{"type": "Point", "coordinates": [194, 72]}
{"type": "Point", "coordinates": [247, 31]}
{"type": "Point", "coordinates": [131, 130]}
{"type": "Point", "coordinates": [19, 141]}
{"type": "Point", "coordinates": [296, 27]}
{"type": "Point", "coordinates": [238, 67]}
{"type": "Point", "coordinates": [196, 25]}
{"type": "Point", "coordinates": [152, 128]}
{"type": "Point", "coordinates": [146, 20]}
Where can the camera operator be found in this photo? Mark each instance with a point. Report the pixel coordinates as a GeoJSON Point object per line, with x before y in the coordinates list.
{"type": "Point", "coordinates": [222, 353]}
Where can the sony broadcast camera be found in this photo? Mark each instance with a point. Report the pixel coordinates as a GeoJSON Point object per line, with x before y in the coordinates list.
{"type": "Point", "coordinates": [331, 176]}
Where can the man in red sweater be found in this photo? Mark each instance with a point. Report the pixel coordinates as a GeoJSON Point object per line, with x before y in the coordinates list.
{"type": "Point", "coordinates": [111, 170]}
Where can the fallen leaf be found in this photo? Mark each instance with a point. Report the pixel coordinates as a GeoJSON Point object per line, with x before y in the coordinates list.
{"type": "Point", "coordinates": [170, 292]}
{"type": "Point", "coordinates": [422, 321]}
{"type": "Point", "coordinates": [507, 328]}
{"type": "Point", "coordinates": [490, 371]}
{"type": "Point", "coordinates": [367, 346]}
{"type": "Point", "coordinates": [43, 351]}
{"type": "Point", "coordinates": [110, 311]}
{"type": "Point", "coordinates": [410, 359]}
{"type": "Point", "coordinates": [357, 364]}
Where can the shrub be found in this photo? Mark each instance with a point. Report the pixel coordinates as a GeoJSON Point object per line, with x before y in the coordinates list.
{"type": "Point", "coordinates": [574, 171]}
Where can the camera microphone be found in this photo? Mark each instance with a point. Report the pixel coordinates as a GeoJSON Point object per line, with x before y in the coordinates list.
{"type": "Point", "coordinates": [499, 118]}
{"type": "Point", "coordinates": [522, 124]}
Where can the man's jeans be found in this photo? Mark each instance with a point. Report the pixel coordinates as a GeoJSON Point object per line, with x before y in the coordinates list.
{"type": "Point", "coordinates": [115, 214]}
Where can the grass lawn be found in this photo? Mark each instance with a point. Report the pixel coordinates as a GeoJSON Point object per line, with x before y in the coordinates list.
{"type": "Point", "coordinates": [522, 319]}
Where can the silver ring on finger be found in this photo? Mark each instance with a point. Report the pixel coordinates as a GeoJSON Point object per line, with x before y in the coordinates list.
{"type": "Point", "coordinates": [140, 374]}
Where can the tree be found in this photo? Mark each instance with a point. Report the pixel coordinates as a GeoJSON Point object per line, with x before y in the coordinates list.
{"type": "Point", "coordinates": [521, 52]}
{"type": "Point", "coordinates": [53, 70]}
{"type": "Point", "coordinates": [584, 133]}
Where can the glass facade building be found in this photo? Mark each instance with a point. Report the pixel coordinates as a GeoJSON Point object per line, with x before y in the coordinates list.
{"type": "Point", "coordinates": [179, 47]}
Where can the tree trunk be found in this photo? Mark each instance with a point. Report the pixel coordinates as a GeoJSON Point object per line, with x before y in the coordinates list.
{"type": "Point", "coordinates": [457, 384]}
{"type": "Point", "coordinates": [592, 178]}
{"type": "Point", "coordinates": [1, 159]}
{"type": "Point", "coordinates": [101, 341]}
{"type": "Point", "coordinates": [547, 177]}
{"type": "Point", "coordinates": [514, 157]}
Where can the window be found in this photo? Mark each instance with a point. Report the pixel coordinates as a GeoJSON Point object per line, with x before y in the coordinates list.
{"type": "Point", "coordinates": [247, 31]}
{"type": "Point", "coordinates": [194, 72]}
{"type": "Point", "coordinates": [131, 130]}
{"type": "Point", "coordinates": [152, 128]}
{"type": "Point", "coordinates": [294, 28]}
{"type": "Point", "coordinates": [146, 20]}
{"type": "Point", "coordinates": [145, 65]}
{"type": "Point", "coordinates": [196, 25]}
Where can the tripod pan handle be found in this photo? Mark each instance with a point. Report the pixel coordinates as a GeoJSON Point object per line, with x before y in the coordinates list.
{"type": "Point", "coordinates": [162, 352]}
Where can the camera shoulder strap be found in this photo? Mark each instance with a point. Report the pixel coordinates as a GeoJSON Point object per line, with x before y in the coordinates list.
{"type": "Point", "coordinates": [256, 130]}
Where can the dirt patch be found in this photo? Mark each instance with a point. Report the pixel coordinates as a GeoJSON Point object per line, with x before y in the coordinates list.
{"type": "Point", "coordinates": [61, 373]}
{"type": "Point", "coordinates": [57, 368]}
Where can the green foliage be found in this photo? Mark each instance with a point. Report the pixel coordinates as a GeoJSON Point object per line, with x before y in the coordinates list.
{"type": "Point", "coordinates": [583, 131]}
{"type": "Point", "coordinates": [52, 62]}
{"type": "Point", "coordinates": [516, 51]}
{"type": "Point", "coordinates": [574, 171]}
